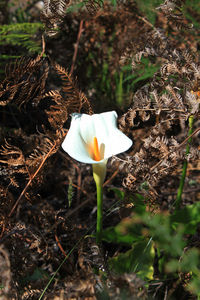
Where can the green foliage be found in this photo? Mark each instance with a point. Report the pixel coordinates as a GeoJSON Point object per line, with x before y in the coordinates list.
{"type": "Point", "coordinates": [139, 260]}
{"type": "Point", "coordinates": [191, 10]}
{"type": "Point", "coordinates": [145, 71]}
{"type": "Point", "coordinates": [124, 80]}
{"type": "Point", "coordinates": [116, 235]}
{"type": "Point", "coordinates": [145, 232]}
{"type": "Point", "coordinates": [188, 216]}
{"type": "Point", "coordinates": [119, 90]}
{"type": "Point", "coordinates": [21, 35]}
{"type": "Point", "coordinates": [37, 275]}
{"type": "Point", "coordinates": [113, 2]}
{"type": "Point", "coordinates": [75, 7]}
{"type": "Point", "coordinates": [70, 193]}
{"type": "Point", "coordinates": [24, 36]}
{"type": "Point", "coordinates": [119, 193]}
{"type": "Point", "coordinates": [148, 8]}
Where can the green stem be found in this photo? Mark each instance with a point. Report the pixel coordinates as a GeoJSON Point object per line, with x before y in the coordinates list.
{"type": "Point", "coordinates": [184, 170]}
{"type": "Point", "coordinates": [99, 173]}
{"type": "Point", "coordinates": [99, 213]}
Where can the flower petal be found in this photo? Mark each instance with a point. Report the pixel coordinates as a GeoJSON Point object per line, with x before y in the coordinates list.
{"type": "Point", "coordinates": [107, 133]}
{"type": "Point", "coordinates": [74, 144]}
{"type": "Point", "coordinates": [87, 128]}
{"type": "Point", "coordinates": [117, 143]}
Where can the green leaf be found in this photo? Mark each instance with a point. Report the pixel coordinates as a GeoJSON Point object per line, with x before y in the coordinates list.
{"type": "Point", "coordinates": [139, 204]}
{"type": "Point", "coordinates": [188, 263]}
{"type": "Point", "coordinates": [119, 90]}
{"type": "Point", "coordinates": [75, 7]}
{"type": "Point", "coordinates": [189, 216]}
{"type": "Point", "coordinates": [139, 260]}
{"type": "Point", "coordinates": [119, 236]}
{"type": "Point", "coordinates": [164, 236]}
{"type": "Point", "coordinates": [194, 285]}
{"type": "Point", "coordinates": [119, 193]}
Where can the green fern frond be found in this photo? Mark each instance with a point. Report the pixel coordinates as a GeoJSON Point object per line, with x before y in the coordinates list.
{"type": "Point", "coordinates": [21, 35]}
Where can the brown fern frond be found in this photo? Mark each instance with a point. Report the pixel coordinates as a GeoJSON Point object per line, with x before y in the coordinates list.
{"type": "Point", "coordinates": [14, 169]}
{"type": "Point", "coordinates": [44, 158]}
{"type": "Point", "coordinates": [173, 12]}
{"type": "Point", "coordinates": [38, 154]}
{"type": "Point", "coordinates": [75, 100]}
{"type": "Point", "coordinates": [93, 5]}
{"type": "Point", "coordinates": [85, 102]}
{"type": "Point", "coordinates": [12, 155]}
{"type": "Point", "coordinates": [53, 14]}
{"type": "Point", "coordinates": [13, 182]}
{"type": "Point", "coordinates": [69, 84]}
{"type": "Point", "coordinates": [177, 97]}
{"type": "Point", "coordinates": [58, 110]}
{"type": "Point", "coordinates": [24, 82]}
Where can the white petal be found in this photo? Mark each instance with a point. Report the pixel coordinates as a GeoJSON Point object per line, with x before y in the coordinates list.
{"type": "Point", "coordinates": [74, 144]}
{"type": "Point", "coordinates": [117, 143]}
{"type": "Point", "coordinates": [87, 128]}
{"type": "Point", "coordinates": [98, 125]}
{"type": "Point", "coordinates": [107, 133]}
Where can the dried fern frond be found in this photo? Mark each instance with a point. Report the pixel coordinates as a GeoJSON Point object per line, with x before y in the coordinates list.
{"type": "Point", "coordinates": [93, 5]}
{"type": "Point", "coordinates": [173, 12]}
{"type": "Point", "coordinates": [38, 154]}
{"type": "Point", "coordinates": [24, 82]}
{"type": "Point", "coordinates": [5, 276]}
{"type": "Point", "coordinates": [53, 14]}
{"type": "Point", "coordinates": [13, 156]}
{"type": "Point", "coordinates": [14, 164]}
{"type": "Point", "coordinates": [57, 113]}
{"type": "Point", "coordinates": [75, 100]}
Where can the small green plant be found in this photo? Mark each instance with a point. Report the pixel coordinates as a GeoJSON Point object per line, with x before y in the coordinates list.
{"type": "Point", "coordinates": [146, 233]}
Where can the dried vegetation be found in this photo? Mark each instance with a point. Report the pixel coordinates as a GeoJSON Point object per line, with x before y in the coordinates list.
{"type": "Point", "coordinates": [38, 181]}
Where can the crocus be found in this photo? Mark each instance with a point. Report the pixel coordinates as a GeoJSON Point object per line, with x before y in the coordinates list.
{"type": "Point", "coordinates": [92, 139]}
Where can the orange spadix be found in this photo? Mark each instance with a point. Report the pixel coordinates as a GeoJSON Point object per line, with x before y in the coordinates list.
{"type": "Point", "coordinates": [96, 151]}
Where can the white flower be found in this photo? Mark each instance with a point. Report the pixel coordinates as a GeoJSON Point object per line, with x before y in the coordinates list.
{"type": "Point", "coordinates": [94, 138]}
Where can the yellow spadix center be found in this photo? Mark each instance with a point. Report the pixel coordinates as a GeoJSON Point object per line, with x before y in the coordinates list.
{"type": "Point", "coordinates": [96, 152]}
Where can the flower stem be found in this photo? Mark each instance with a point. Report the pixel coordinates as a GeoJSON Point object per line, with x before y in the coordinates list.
{"type": "Point", "coordinates": [184, 170]}
{"type": "Point", "coordinates": [99, 173]}
{"type": "Point", "coordinates": [99, 213]}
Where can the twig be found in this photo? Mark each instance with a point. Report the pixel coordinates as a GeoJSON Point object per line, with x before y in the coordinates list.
{"type": "Point", "coordinates": [76, 46]}
{"type": "Point", "coordinates": [109, 179]}
{"type": "Point", "coordinates": [60, 246]}
{"type": "Point", "coordinates": [77, 187]}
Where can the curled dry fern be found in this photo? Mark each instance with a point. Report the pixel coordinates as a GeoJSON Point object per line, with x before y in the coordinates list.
{"type": "Point", "coordinates": [93, 5]}
{"type": "Point", "coordinates": [25, 89]}
{"type": "Point", "coordinates": [162, 106]}
{"type": "Point", "coordinates": [53, 14]}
